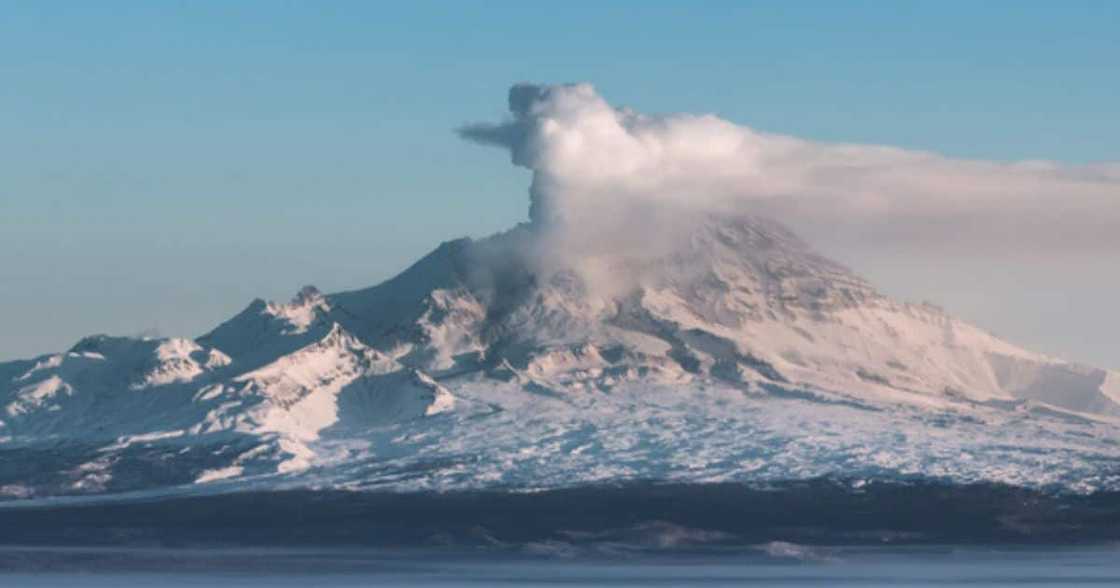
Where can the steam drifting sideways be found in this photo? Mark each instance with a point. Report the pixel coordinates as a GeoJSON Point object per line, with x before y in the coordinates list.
{"type": "Point", "coordinates": [602, 173]}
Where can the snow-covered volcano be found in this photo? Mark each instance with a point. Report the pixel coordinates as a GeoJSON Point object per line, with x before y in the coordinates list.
{"type": "Point", "coordinates": [737, 354]}
{"type": "Point", "coordinates": [648, 323]}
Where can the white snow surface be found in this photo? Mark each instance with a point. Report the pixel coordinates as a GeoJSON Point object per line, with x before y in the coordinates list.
{"type": "Point", "coordinates": [740, 355]}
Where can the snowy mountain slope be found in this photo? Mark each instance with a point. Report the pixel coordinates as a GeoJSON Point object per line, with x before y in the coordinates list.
{"type": "Point", "coordinates": [110, 402]}
{"type": "Point", "coordinates": [744, 301]}
{"type": "Point", "coordinates": [737, 354]}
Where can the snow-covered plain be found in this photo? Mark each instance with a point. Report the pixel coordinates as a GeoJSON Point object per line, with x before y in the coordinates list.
{"type": "Point", "coordinates": [739, 355]}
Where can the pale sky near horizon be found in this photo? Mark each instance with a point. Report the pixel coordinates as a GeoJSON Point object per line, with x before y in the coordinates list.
{"type": "Point", "coordinates": [166, 163]}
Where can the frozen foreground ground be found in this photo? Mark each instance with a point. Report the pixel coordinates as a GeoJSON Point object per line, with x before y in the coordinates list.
{"type": "Point", "coordinates": [764, 565]}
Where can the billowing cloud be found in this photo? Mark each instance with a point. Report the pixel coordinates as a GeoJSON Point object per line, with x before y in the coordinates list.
{"type": "Point", "coordinates": [607, 173]}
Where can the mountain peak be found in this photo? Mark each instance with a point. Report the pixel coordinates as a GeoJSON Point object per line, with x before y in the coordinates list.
{"type": "Point", "coordinates": [307, 295]}
{"type": "Point", "coordinates": [543, 361]}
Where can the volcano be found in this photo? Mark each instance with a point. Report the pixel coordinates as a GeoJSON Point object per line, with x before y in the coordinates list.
{"type": "Point", "coordinates": [725, 351]}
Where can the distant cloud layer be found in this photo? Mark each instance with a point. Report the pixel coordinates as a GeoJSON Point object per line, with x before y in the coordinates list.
{"type": "Point", "coordinates": [601, 171]}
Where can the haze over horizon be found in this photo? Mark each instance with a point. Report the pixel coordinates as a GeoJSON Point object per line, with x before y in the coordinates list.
{"type": "Point", "coordinates": [157, 185]}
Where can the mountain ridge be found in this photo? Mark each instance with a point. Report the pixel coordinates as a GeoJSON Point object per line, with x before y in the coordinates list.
{"type": "Point", "coordinates": [501, 362]}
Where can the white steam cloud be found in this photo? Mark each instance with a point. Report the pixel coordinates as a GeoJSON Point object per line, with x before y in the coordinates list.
{"type": "Point", "coordinates": [610, 177]}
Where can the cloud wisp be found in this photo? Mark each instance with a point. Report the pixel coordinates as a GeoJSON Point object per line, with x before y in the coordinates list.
{"type": "Point", "coordinates": [609, 177]}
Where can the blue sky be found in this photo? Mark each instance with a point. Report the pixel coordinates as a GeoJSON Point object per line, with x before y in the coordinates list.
{"type": "Point", "coordinates": [167, 162]}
